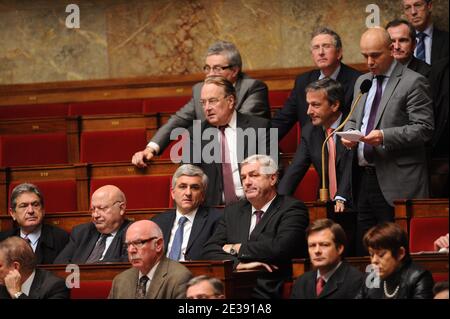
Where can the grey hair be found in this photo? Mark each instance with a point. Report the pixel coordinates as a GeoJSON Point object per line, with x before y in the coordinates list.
{"type": "Point", "coordinates": [25, 188]}
{"type": "Point", "coordinates": [227, 49]}
{"type": "Point", "coordinates": [333, 89]}
{"type": "Point", "coordinates": [215, 283]}
{"type": "Point", "coordinates": [268, 165]}
{"type": "Point", "coordinates": [189, 170]}
{"type": "Point", "coordinates": [324, 30]}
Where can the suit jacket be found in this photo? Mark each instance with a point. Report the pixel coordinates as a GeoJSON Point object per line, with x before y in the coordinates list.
{"type": "Point", "coordinates": [214, 169]}
{"type": "Point", "coordinates": [82, 241]}
{"type": "Point", "coordinates": [345, 283]}
{"type": "Point", "coordinates": [205, 223]}
{"type": "Point", "coordinates": [309, 151]}
{"type": "Point", "coordinates": [439, 45]}
{"type": "Point", "coordinates": [252, 99]}
{"type": "Point", "coordinates": [405, 115]}
{"type": "Point", "coordinates": [296, 106]}
{"type": "Point", "coordinates": [439, 80]}
{"type": "Point", "coordinates": [414, 283]}
{"type": "Point", "coordinates": [419, 66]}
{"type": "Point", "coordinates": [168, 282]}
{"type": "Point", "coordinates": [276, 239]}
{"type": "Point", "coordinates": [50, 244]}
{"type": "Point", "coordinates": [45, 286]}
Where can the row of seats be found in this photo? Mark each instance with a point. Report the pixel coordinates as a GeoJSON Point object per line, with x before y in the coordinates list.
{"type": "Point", "coordinates": [93, 132]}
{"type": "Point", "coordinates": [67, 188]}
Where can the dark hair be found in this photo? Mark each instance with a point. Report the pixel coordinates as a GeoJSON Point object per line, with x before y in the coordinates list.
{"type": "Point", "coordinates": [214, 282]}
{"type": "Point", "coordinates": [16, 249]}
{"type": "Point", "coordinates": [227, 86]}
{"type": "Point", "coordinates": [325, 30]}
{"type": "Point", "coordinates": [440, 286]}
{"type": "Point", "coordinates": [24, 188]}
{"type": "Point", "coordinates": [227, 49]}
{"type": "Point", "coordinates": [387, 236]}
{"type": "Point", "coordinates": [397, 22]}
{"type": "Point", "coordinates": [332, 88]}
{"type": "Point", "coordinates": [339, 237]}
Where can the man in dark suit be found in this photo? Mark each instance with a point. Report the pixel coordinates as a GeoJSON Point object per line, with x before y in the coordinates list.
{"type": "Point", "coordinates": [220, 143]}
{"type": "Point", "coordinates": [403, 38]}
{"type": "Point", "coordinates": [223, 59]}
{"type": "Point", "coordinates": [264, 231]}
{"type": "Point", "coordinates": [395, 118]}
{"type": "Point", "coordinates": [27, 210]}
{"type": "Point", "coordinates": [102, 239]}
{"type": "Point", "coordinates": [19, 278]}
{"type": "Point", "coordinates": [153, 275]}
{"type": "Point", "coordinates": [187, 228]}
{"type": "Point", "coordinates": [326, 51]}
{"type": "Point", "coordinates": [432, 43]}
{"type": "Point", "coordinates": [332, 278]}
{"type": "Point", "coordinates": [325, 98]}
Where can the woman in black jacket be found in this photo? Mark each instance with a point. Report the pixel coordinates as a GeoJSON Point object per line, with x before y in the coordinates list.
{"type": "Point", "coordinates": [394, 275]}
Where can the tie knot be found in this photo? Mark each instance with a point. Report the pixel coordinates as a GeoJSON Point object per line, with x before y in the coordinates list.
{"type": "Point", "coordinates": [380, 78]}
{"type": "Point", "coordinates": [258, 214]}
{"type": "Point", "coordinates": [223, 127]}
{"type": "Point", "coordinates": [182, 220]}
{"type": "Point", "coordinates": [143, 280]}
{"type": "Point", "coordinates": [329, 131]}
{"type": "Point", "coordinates": [421, 36]}
{"type": "Point", "coordinates": [104, 236]}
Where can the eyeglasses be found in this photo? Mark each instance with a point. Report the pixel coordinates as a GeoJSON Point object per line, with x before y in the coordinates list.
{"type": "Point", "coordinates": [24, 206]}
{"type": "Point", "coordinates": [212, 101]}
{"type": "Point", "coordinates": [325, 47]}
{"type": "Point", "coordinates": [138, 244]}
{"type": "Point", "coordinates": [417, 7]}
{"type": "Point", "coordinates": [103, 209]}
{"type": "Point", "coordinates": [216, 68]}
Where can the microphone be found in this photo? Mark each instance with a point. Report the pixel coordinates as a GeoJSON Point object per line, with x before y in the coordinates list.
{"type": "Point", "coordinates": [363, 88]}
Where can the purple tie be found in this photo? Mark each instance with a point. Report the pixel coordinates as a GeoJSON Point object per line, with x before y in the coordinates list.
{"type": "Point", "coordinates": [227, 173]}
{"type": "Point", "coordinates": [259, 214]}
{"type": "Point", "coordinates": [368, 149]}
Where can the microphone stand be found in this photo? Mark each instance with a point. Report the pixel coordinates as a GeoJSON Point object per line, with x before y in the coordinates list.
{"type": "Point", "coordinates": [323, 192]}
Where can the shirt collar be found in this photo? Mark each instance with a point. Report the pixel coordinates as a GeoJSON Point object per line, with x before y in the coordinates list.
{"type": "Point", "coordinates": [151, 273]}
{"type": "Point", "coordinates": [26, 286]}
{"type": "Point", "coordinates": [336, 123]}
{"type": "Point", "coordinates": [265, 207]}
{"type": "Point", "coordinates": [233, 121]}
{"type": "Point", "coordinates": [428, 31]}
{"type": "Point", "coordinates": [190, 216]}
{"type": "Point", "coordinates": [328, 275]}
{"type": "Point", "coordinates": [391, 68]}
{"type": "Point", "coordinates": [34, 236]}
{"type": "Point", "coordinates": [333, 75]}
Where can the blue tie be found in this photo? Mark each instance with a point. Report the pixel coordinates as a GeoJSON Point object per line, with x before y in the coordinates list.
{"type": "Point", "coordinates": [420, 52]}
{"type": "Point", "coordinates": [175, 252]}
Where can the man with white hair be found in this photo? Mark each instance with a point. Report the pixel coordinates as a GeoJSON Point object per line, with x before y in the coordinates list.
{"type": "Point", "coordinates": [153, 275]}
{"type": "Point", "coordinates": [264, 231]}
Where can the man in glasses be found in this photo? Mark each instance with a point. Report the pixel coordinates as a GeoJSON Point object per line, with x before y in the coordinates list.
{"type": "Point", "coordinates": [153, 275]}
{"type": "Point", "coordinates": [326, 52]}
{"type": "Point", "coordinates": [432, 43]}
{"type": "Point", "coordinates": [102, 239]}
{"type": "Point", "coordinates": [27, 210]}
{"type": "Point", "coordinates": [222, 58]}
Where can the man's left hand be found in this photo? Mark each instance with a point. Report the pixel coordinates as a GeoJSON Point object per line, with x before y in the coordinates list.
{"type": "Point", "coordinates": [13, 282]}
{"type": "Point", "coordinates": [374, 138]}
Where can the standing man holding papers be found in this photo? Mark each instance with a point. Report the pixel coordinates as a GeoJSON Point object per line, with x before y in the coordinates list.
{"type": "Point", "coordinates": [396, 117]}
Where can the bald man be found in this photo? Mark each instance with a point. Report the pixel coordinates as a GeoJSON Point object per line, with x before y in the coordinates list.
{"type": "Point", "coordinates": [396, 118]}
{"type": "Point", "coordinates": [153, 275]}
{"type": "Point", "coordinates": [102, 239]}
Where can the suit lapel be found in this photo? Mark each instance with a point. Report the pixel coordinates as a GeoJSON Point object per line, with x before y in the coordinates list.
{"type": "Point", "coordinates": [239, 93]}
{"type": "Point", "coordinates": [389, 90]}
{"type": "Point", "coordinates": [244, 221]}
{"type": "Point", "coordinates": [167, 228]}
{"type": "Point", "coordinates": [36, 285]}
{"type": "Point", "coordinates": [199, 223]}
{"type": "Point", "coordinates": [159, 277]}
{"type": "Point", "coordinates": [334, 282]}
{"type": "Point", "coordinates": [93, 237]}
{"type": "Point", "coordinates": [360, 108]}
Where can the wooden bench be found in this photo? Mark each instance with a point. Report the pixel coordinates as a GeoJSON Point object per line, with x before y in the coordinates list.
{"type": "Point", "coordinates": [237, 284]}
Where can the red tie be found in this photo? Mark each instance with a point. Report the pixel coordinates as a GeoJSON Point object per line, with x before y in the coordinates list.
{"type": "Point", "coordinates": [319, 285]}
{"type": "Point", "coordinates": [332, 183]}
{"type": "Point", "coordinates": [227, 173]}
